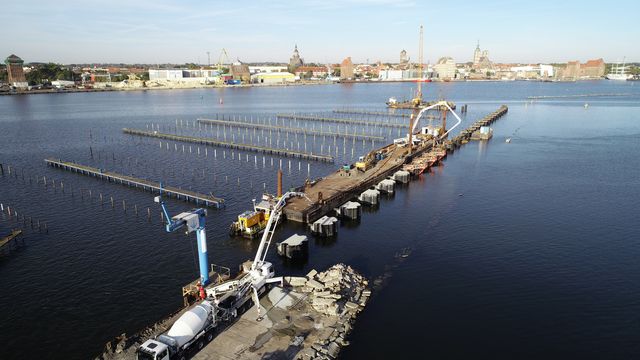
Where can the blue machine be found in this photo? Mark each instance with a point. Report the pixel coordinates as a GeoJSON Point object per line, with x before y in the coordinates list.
{"type": "Point", "coordinates": [193, 220]}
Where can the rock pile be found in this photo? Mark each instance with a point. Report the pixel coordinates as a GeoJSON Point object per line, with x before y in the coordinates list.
{"type": "Point", "coordinates": [339, 291]}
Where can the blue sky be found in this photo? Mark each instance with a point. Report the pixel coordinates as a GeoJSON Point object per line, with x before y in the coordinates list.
{"type": "Point", "coordinates": [163, 31]}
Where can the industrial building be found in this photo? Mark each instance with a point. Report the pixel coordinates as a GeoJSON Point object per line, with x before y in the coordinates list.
{"type": "Point", "coordinates": [273, 78]}
{"type": "Point", "coordinates": [533, 71]}
{"type": "Point", "coordinates": [195, 75]}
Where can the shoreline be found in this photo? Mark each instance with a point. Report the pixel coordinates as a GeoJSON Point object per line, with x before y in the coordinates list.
{"type": "Point", "coordinates": [310, 83]}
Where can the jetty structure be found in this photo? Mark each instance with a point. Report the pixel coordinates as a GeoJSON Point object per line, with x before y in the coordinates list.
{"type": "Point", "coordinates": [292, 130]}
{"type": "Point", "coordinates": [340, 120]}
{"type": "Point", "coordinates": [231, 145]}
{"type": "Point", "coordinates": [341, 186]}
{"type": "Point", "coordinates": [145, 185]}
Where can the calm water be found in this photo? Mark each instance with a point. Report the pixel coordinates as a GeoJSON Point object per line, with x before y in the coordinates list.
{"type": "Point", "coordinates": [521, 250]}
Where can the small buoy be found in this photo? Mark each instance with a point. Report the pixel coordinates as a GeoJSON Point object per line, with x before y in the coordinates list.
{"type": "Point", "coordinates": [221, 102]}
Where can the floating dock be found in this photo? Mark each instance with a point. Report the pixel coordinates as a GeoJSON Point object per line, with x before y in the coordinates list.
{"type": "Point", "coordinates": [291, 130]}
{"type": "Point", "coordinates": [231, 145]}
{"type": "Point", "coordinates": [186, 195]}
{"type": "Point", "coordinates": [340, 120]}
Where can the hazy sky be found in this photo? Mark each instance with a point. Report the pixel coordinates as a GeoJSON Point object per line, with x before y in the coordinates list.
{"type": "Point", "coordinates": [163, 31]}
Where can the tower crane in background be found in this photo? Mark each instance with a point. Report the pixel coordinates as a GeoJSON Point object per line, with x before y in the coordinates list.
{"type": "Point", "coordinates": [193, 220]}
{"type": "Point", "coordinates": [222, 59]}
{"type": "Point", "coordinates": [417, 101]}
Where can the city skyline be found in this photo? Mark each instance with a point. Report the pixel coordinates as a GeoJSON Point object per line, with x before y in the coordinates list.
{"type": "Point", "coordinates": [325, 31]}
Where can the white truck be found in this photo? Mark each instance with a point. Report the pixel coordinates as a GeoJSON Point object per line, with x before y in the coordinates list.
{"type": "Point", "coordinates": [193, 327]}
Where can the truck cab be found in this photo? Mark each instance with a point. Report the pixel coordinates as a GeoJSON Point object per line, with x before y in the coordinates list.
{"type": "Point", "coordinates": [152, 350]}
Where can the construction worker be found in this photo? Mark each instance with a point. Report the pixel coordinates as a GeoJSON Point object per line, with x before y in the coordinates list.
{"type": "Point", "coordinates": [203, 294]}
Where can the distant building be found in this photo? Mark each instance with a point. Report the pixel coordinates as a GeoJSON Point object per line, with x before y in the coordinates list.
{"type": "Point", "coordinates": [539, 71]}
{"type": "Point", "coordinates": [266, 69]}
{"type": "Point", "coordinates": [445, 68]}
{"type": "Point", "coordinates": [272, 78]}
{"type": "Point", "coordinates": [203, 76]}
{"type": "Point", "coordinates": [240, 71]}
{"type": "Point", "coordinates": [316, 71]}
{"type": "Point", "coordinates": [404, 60]}
{"type": "Point", "coordinates": [481, 58]}
{"type": "Point", "coordinates": [295, 59]}
{"type": "Point", "coordinates": [346, 69]}
{"type": "Point", "coordinates": [15, 72]}
{"type": "Point", "coordinates": [592, 69]}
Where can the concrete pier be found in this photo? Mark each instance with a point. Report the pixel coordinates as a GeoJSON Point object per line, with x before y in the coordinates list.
{"type": "Point", "coordinates": [292, 130]}
{"type": "Point", "coordinates": [231, 145]}
{"type": "Point", "coordinates": [187, 195]}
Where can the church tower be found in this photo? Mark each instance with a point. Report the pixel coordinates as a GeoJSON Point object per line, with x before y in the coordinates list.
{"type": "Point", "coordinates": [477, 54]}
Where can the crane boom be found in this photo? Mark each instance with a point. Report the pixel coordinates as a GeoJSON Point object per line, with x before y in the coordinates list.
{"type": "Point", "coordinates": [438, 104]}
{"type": "Point", "coordinates": [265, 241]}
{"type": "Point", "coordinates": [193, 220]}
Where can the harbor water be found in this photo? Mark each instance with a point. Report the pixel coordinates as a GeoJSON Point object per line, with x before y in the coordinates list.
{"type": "Point", "coordinates": [526, 249]}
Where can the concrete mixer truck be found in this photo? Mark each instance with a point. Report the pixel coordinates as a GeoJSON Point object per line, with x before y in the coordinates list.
{"type": "Point", "coordinates": [191, 329]}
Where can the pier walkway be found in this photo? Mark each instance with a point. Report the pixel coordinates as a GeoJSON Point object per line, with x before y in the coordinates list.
{"type": "Point", "coordinates": [186, 195]}
{"type": "Point", "coordinates": [340, 120]}
{"type": "Point", "coordinates": [292, 130]}
{"type": "Point", "coordinates": [374, 113]}
{"type": "Point", "coordinates": [231, 145]}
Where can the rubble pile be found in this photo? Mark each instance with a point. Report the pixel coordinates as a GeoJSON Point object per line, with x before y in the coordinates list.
{"type": "Point", "coordinates": [338, 292]}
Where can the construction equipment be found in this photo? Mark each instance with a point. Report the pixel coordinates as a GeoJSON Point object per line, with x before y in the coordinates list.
{"type": "Point", "coordinates": [190, 328]}
{"type": "Point", "coordinates": [222, 59]}
{"type": "Point", "coordinates": [234, 294]}
{"type": "Point", "coordinates": [193, 220]}
{"type": "Point", "coordinates": [252, 223]}
{"type": "Point", "coordinates": [225, 301]}
{"type": "Point", "coordinates": [439, 133]}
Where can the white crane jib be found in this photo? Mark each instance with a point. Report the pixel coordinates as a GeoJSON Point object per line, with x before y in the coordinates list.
{"type": "Point", "coordinates": [265, 241]}
{"type": "Point", "coordinates": [439, 103]}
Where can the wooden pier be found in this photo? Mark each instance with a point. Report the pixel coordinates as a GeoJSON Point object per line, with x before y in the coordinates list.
{"type": "Point", "coordinates": [340, 121]}
{"type": "Point", "coordinates": [374, 113]}
{"type": "Point", "coordinates": [465, 135]}
{"type": "Point", "coordinates": [186, 195]}
{"type": "Point", "coordinates": [7, 240]}
{"type": "Point", "coordinates": [231, 145]}
{"type": "Point", "coordinates": [292, 130]}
